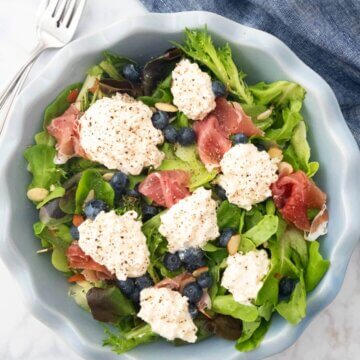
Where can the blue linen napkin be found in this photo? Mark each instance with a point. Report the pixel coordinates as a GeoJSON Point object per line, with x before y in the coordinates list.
{"type": "Point", "coordinates": [325, 34]}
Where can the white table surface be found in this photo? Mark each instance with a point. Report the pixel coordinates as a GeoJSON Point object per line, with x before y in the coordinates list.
{"type": "Point", "coordinates": [333, 335]}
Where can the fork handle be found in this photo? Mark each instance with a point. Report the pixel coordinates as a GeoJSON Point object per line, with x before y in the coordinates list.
{"type": "Point", "coordinates": [33, 55]}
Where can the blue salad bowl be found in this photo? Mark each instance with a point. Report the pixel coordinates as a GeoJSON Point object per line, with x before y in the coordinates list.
{"type": "Point", "coordinates": [264, 58]}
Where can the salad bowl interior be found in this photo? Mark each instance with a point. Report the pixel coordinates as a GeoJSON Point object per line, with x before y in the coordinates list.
{"type": "Point", "coordinates": [261, 56]}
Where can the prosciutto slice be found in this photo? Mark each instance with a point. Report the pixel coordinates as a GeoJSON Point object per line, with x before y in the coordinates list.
{"type": "Point", "coordinates": [293, 195]}
{"type": "Point", "coordinates": [65, 129]}
{"type": "Point", "coordinates": [166, 187]}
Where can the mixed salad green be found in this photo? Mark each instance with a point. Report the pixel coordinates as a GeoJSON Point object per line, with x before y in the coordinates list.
{"type": "Point", "coordinates": [61, 192]}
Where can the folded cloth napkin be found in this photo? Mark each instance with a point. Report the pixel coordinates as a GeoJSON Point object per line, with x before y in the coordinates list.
{"type": "Point", "coordinates": [325, 34]}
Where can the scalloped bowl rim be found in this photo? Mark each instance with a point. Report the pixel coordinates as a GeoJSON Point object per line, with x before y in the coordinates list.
{"type": "Point", "coordinates": [349, 174]}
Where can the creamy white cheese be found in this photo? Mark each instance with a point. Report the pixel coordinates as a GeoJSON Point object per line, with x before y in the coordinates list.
{"type": "Point", "coordinates": [191, 222]}
{"type": "Point", "coordinates": [116, 242]}
{"type": "Point", "coordinates": [118, 133]}
{"type": "Point", "coordinates": [191, 88]}
{"type": "Point", "coordinates": [247, 174]}
{"type": "Point", "coordinates": [244, 275]}
{"type": "Point", "coordinates": [167, 313]}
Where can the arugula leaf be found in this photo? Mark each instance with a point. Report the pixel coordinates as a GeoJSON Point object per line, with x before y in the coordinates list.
{"type": "Point", "coordinates": [199, 46]}
{"type": "Point", "coordinates": [248, 343]}
{"type": "Point", "coordinates": [161, 94]}
{"type": "Point", "coordinates": [228, 215]}
{"type": "Point", "coordinates": [109, 304]}
{"type": "Point", "coordinates": [59, 191]}
{"type": "Point", "coordinates": [123, 342]}
{"type": "Point", "coordinates": [92, 180]}
{"type": "Point", "coordinates": [298, 152]}
{"type": "Point", "coordinates": [279, 93]}
{"type": "Point", "coordinates": [316, 268]}
{"type": "Point", "coordinates": [42, 167]}
{"type": "Point", "coordinates": [226, 305]}
{"type": "Point", "coordinates": [263, 230]}
{"type": "Point", "coordinates": [294, 310]}
{"type": "Point", "coordinates": [59, 105]}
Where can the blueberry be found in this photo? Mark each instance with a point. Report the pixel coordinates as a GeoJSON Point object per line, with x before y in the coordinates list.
{"type": "Point", "coordinates": [133, 193]}
{"type": "Point", "coordinates": [220, 192]}
{"type": "Point", "coordinates": [172, 261]}
{"type": "Point", "coordinates": [160, 119]}
{"type": "Point", "coordinates": [148, 211]}
{"type": "Point", "coordinates": [205, 280]}
{"type": "Point", "coordinates": [132, 72]}
{"type": "Point", "coordinates": [94, 207]}
{"type": "Point", "coordinates": [240, 139]}
{"type": "Point", "coordinates": [286, 287]}
{"type": "Point", "coordinates": [74, 231]}
{"type": "Point", "coordinates": [135, 295]}
{"type": "Point", "coordinates": [170, 134]}
{"type": "Point", "coordinates": [193, 292]}
{"type": "Point", "coordinates": [193, 311]}
{"type": "Point", "coordinates": [127, 286]}
{"type": "Point", "coordinates": [119, 183]}
{"type": "Point", "coordinates": [143, 282]}
{"type": "Point", "coordinates": [186, 136]}
{"type": "Point", "coordinates": [225, 236]}
{"type": "Point", "coordinates": [193, 258]}
{"type": "Point", "coordinates": [218, 88]}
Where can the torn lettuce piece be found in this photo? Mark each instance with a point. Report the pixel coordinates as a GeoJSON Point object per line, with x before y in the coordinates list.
{"type": "Point", "coordinates": [229, 215]}
{"type": "Point", "coordinates": [59, 191]}
{"type": "Point", "coordinates": [253, 334]}
{"type": "Point", "coordinates": [162, 93]}
{"type": "Point", "coordinates": [263, 230]}
{"type": "Point", "coordinates": [113, 65]}
{"type": "Point", "coordinates": [316, 267]}
{"type": "Point", "coordinates": [92, 180]}
{"type": "Point", "coordinates": [41, 165]}
{"type": "Point", "coordinates": [125, 341]}
{"type": "Point", "coordinates": [198, 45]}
{"type": "Point", "coordinates": [78, 293]}
{"type": "Point", "coordinates": [298, 152]}
{"type": "Point", "coordinates": [279, 93]}
{"type": "Point", "coordinates": [294, 310]}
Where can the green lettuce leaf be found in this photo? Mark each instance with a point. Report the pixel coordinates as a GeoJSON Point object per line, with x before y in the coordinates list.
{"type": "Point", "coordinates": [226, 305]}
{"type": "Point", "coordinates": [279, 93]}
{"type": "Point", "coordinates": [228, 215]}
{"type": "Point", "coordinates": [316, 267]}
{"type": "Point", "coordinates": [252, 336]}
{"type": "Point", "coordinates": [59, 105]}
{"type": "Point", "coordinates": [92, 180]}
{"type": "Point", "coordinates": [161, 94]}
{"type": "Point", "coordinates": [58, 236]}
{"type": "Point", "coordinates": [298, 152]}
{"type": "Point", "coordinates": [113, 65]}
{"type": "Point", "coordinates": [78, 293]}
{"type": "Point", "coordinates": [59, 260]}
{"type": "Point", "coordinates": [59, 191]}
{"type": "Point", "coordinates": [44, 138]}
{"type": "Point", "coordinates": [263, 230]}
{"type": "Point", "coordinates": [109, 304]}
{"type": "Point", "coordinates": [125, 341]}
{"type": "Point", "coordinates": [42, 167]}
{"type": "Point", "coordinates": [294, 310]}
{"type": "Point", "coordinates": [199, 46]}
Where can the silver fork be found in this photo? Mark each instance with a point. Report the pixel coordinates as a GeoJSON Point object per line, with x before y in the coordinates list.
{"type": "Point", "coordinates": [56, 27]}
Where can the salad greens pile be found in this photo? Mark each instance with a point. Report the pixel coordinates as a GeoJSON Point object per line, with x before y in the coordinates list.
{"type": "Point", "coordinates": [274, 107]}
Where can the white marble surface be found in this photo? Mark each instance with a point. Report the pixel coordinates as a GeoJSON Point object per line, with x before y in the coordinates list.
{"type": "Point", "coordinates": [333, 335]}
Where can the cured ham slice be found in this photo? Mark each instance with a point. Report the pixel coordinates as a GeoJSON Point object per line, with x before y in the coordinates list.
{"type": "Point", "coordinates": [293, 195]}
{"type": "Point", "coordinates": [212, 143]}
{"type": "Point", "coordinates": [65, 129]}
{"type": "Point", "coordinates": [233, 120]}
{"type": "Point", "coordinates": [166, 187]}
{"type": "Point", "coordinates": [77, 259]}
